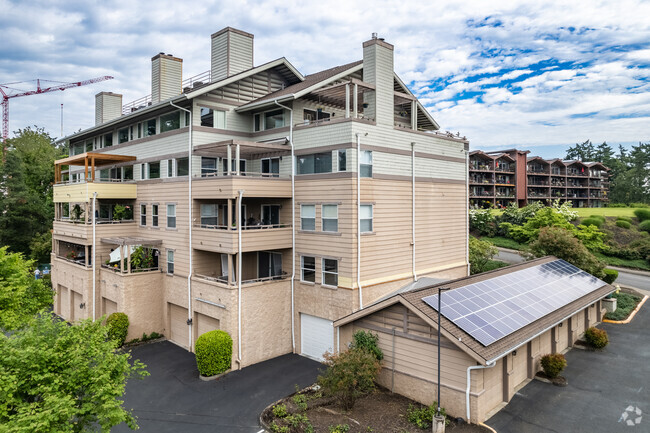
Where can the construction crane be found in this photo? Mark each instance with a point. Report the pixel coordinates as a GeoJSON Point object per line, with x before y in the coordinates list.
{"type": "Point", "coordinates": [9, 92]}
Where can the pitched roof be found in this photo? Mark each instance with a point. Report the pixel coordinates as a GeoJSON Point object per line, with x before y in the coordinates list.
{"type": "Point", "coordinates": [484, 354]}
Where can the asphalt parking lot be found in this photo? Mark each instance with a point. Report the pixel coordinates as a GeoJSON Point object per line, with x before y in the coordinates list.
{"type": "Point", "coordinates": [174, 399]}
{"type": "Point", "coordinates": [608, 391]}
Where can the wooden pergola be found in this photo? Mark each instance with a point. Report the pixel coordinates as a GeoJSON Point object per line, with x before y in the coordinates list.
{"type": "Point", "coordinates": [90, 160]}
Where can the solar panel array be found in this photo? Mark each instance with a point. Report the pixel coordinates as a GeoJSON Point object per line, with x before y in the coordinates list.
{"type": "Point", "coordinates": [492, 309]}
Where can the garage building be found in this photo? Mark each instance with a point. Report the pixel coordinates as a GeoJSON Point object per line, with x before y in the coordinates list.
{"type": "Point", "coordinates": [496, 326]}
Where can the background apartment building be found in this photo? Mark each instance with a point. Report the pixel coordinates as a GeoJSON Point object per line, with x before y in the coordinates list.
{"type": "Point", "coordinates": [256, 200]}
{"type": "Point", "coordinates": [502, 177]}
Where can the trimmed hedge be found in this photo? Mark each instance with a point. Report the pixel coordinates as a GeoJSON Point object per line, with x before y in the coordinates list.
{"type": "Point", "coordinates": [623, 224]}
{"type": "Point", "coordinates": [592, 221]}
{"type": "Point", "coordinates": [645, 226]}
{"type": "Point", "coordinates": [596, 338]}
{"type": "Point", "coordinates": [624, 218]}
{"type": "Point", "coordinates": [642, 214]}
{"type": "Point", "coordinates": [213, 353]}
{"type": "Point", "coordinates": [600, 217]}
{"type": "Point", "coordinates": [610, 275]}
{"type": "Point", "coordinates": [118, 327]}
{"type": "Point", "coordinates": [553, 364]}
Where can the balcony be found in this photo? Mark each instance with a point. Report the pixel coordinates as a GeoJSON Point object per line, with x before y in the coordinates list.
{"type": "Point", "coordinates": [222, 239]}
{"type": "Point", "coordinates": [255, 185]}
{"type": "Point", "coordinates": [80, 231]}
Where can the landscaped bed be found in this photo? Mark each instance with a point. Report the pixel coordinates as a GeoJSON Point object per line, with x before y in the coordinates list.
{"type": "Point", "coordinates": [625, 304]}
{"type": "Point", "coordinates": [380, 411]}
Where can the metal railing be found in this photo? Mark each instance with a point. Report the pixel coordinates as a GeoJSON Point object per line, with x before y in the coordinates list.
{"type": "Point", "coordinates": [244, 227]}
{"type": "Point", "coordinates": [224, 279]}
{"type": "Point", "coordinates": [211, 173]}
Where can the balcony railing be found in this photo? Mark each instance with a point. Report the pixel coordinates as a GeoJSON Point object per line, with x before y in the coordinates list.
{"type": "Point", "coordinates": [210, 173]}
{"type": "Point", "coordinates": [224, 280]}
{"type": "Point", "coordinates": [97, 180]}
{"type": "Point", "coordinates": [244, 227]}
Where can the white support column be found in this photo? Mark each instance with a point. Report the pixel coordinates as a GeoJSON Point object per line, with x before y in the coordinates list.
{"type": "Point", "coordinates": [414, 115]}
{"type": "Point", "coordinates": [347, 101]}
{"type": "Point", "coordinates": [355, 101]}
{"type": "Point", "coordinates": [229, 158]}
{"type": "Point", "coordinates": [237, 160]}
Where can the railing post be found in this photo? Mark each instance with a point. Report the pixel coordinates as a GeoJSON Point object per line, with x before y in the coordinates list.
{"type": "Point", "coordinates": [347, 101]}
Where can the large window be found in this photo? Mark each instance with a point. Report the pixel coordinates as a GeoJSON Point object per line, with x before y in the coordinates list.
{"type": "Point", "coordinates": [182, 167]}
{"type": "Point", "coordinates": [307, 217]}
{"type": "Point", "coordinates": [366, 163]}
{"type": "Point", "coordinates": [127, 172]}
{"type": "Point", "coordinates": [171, 121]}
{"type": "Point", "coordinates": [154, 215]}
{"type": "Point", "coordinates": [154, 170]}
{"type": "Point", "coordinates": [213, 118]}
{"type": "Point", "coordinates": [209, 215]}
{"type": "Point", "coordinates": [208, 166]}
{"type": "Point", "coordinates": [171, 216]}
{"type": "Point", "coordinates": [269, 120]}
{"type": "Point", "coordinates": [170, 261]}
{"type": "Point", "coordinates": [149, 127]}
{"type": "Point", "coordinates": [308, 269]}
{"type": "Point", "coordinates": [315, 163]}
{"type": "Point", "coordinates": [123, 135]}
{"type": "Point", "coordinates": [108, 140]}
{"type": "Point", "coordinates": [365, 216]}
{"type": "Point", "coordinates": [330, 272]}
{"type": "Point", "coordinates": [330, 218]}
{"type": "Point", "coordinates": [143, 214]}
{"type": "Point", "coordinates": [271, 167]}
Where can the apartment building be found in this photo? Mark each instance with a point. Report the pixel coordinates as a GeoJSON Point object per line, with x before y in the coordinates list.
{"type": "Point", "coordinates": [503, 177]}
{"type": "Point", "coordinates": [256, 200]}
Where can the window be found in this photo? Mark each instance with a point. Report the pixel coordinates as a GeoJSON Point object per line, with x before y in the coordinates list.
{"type": "Point", "coordinates": [108, 139]}
{"type": "Point", "coordinates": [313, 115]}
{"type": "Point", "coordinates": [330, 217]}
{"type": "Point", "coordinates": [149, 127]}
{"type": "Point", "coordinates": [154, 170]}
{"type": "Point", "coordinates": [171, 216]}
{"type": "Point", "coordinates": [127, 172]}
{"type": "Point", "coordinates": [187, 118]}
{"type": "Point", "coordinates": [143, 214]}
{"type": "Point", "coordinates": [213, 118]}
{"type": "Point", "coordinates": [343, 160]}
{"type": "Point", "coordinates": [242, 165]}
{"type": "Point", "coordinates": [269, 120]}
{"type": "Point", "coordinates": [330, 272]}
{"type": "Point", "coordinates": [270, 214]}
{"type": "Point", "coordinates": [171, 121]}
{"type": "Point", "coordinates": [182, 167]}
{"type": "Point", "coordinates": [170, 261]}
{"type": "Point", "coordinates": [365, 217]}
{"type": "Point", "coordinates": [307, 217]}
{"type": "Point", "coordinates": [89, 143]}
{"type": "Point", "coordinates": [308, 269]}
{"type": "Point", "coordinates": [154, 215]}
{"type": "Point", "coordinates": [271, 167]}
{"type": "Point", "coordinates": [208, 166]}
{"type": "Point", "coordinates": [170, 168]}
{"type": "Point", "coordinates": [366, 163]}
{"type": "Point", "coordinates": [209, 215]}
{"type": "Point", "coordinates": [123, 135]}
{"type": "Point", "coordinates": [77, 149]}
{"type": "Point", "coordinates": [315, 163]}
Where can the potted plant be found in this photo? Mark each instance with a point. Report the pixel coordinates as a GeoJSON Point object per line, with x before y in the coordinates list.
{"type": "Point", "coordinates": [77, 212]}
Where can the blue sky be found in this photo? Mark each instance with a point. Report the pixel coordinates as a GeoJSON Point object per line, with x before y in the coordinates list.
{"type": "Point", "coordinates": [534, 75]}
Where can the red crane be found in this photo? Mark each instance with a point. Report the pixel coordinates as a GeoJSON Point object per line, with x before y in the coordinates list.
{"type": "Point", "coordinates": [10, 92]}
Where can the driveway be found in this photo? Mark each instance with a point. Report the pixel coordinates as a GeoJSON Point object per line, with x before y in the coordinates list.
{"type": "Point", "coordinates": [174, 399]}
{"type": "Point", "coordinates": [602, 385]}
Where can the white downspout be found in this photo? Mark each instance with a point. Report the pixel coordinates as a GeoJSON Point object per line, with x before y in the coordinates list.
{"type": "Point", "coordinates": [415, 275]}
{"type": "Point", "coordinates": [239, 261]}
{"type": "Point", "coordinates": [293, 224]}
{"type": "Point", "coordinates": [94, 256]}
{"type": "Point", "coordinates": [189, 199]}
{"type": "Point", "coordinates": [469, 382]}
{"type": "Point", "coordinates": [358, 134]}
{"type": "Point", "coordinates": [467, 210]}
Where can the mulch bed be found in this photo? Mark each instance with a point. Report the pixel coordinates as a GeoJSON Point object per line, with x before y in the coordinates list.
{"type": "Point", "coordinates": [557, 381]}
{"type": "Point", "coordinates": [380, 411]}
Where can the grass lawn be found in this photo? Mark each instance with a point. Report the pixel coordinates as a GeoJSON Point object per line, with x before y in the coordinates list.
{"type": "Point", "coordinates": [624, 263]}
{"type": "Point", "coordinates": [606, 211]}
{"type": "Point", "coordinates": [504, 242]}
{"type": "Point", "coordinates": [625, 303]}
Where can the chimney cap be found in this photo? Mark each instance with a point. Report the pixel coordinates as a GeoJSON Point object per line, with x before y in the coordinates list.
{"type": "Point", "coordinates": [166, 56]}
{"type": "Point", "coordinates": [233, 30]}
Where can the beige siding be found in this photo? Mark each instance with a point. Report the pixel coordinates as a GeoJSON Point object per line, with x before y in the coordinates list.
{"type": "Point", "coordinates": [493, 386]}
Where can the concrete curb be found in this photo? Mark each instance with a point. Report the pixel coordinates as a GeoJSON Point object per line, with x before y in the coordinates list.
{"type": "Point", "coordinates": [631, 316]}
{"type": "Point", "coordinates": [630, 271]}
{"type": "Point", "coordinates": [215, 377]}
{"type": "Point", "coordinates": [487, 427]}
{"type": "Point", "coordinates": [508, 250]}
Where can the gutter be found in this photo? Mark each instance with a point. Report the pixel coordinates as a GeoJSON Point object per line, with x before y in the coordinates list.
{"type": "Point", "coordinates": [94, 255]}
{"type": "Point", "coordinates": [415, 275]}
{"type": "Point", "coordinates": [239, 261]}
{"type": "Point", "coordinates": [469, 382]}
{"type": "Point", "coordinates": [467, 211]}
{"type": "Point", "coordinates": [358, 134]}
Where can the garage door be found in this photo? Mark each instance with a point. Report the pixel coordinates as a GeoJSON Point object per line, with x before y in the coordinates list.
{"type": "Point", "coordinates": [77, 299]}
{"type": "Point", "coordinates": [110, 307]}
{"type": "Point", "coordinates": [316, 336]}
{"type": "Point", "coordinates": [178, 326]}
{"type": "Point", "coordinates": [204, 324]}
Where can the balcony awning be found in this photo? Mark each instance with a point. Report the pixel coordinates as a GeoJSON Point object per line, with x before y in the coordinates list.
{"type": "Point", "coordinates": [247, 149]}
{"type": "Point", "coordinates": [121, 241]}
{"type": "Point", "coordinates": [89, 159]}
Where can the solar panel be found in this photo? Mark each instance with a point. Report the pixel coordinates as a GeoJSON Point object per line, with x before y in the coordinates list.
{"type": "Point", "coordinates": [492, 309]}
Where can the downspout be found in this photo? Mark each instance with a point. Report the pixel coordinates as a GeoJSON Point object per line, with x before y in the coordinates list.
{"type": "Point", "coordinates": [490, 364]}
{"type": "Point", "coordinates": [94, 267]}
{"type": "Point", "coordinates": [467, 211]}
{"type": "Point", "coordinates": [189, 199]}
{"type": "Point", "coordinates": [293, 223]}
{"type": "Point", "coordinates": [239, 261]}
{"type": "Point", "coordinates": [415, 275]}
{"type": "Point", "coordinates": [358, 134]}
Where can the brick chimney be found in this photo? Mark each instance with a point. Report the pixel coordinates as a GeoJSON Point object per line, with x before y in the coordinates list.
{"type": "Point", "coordinates": [166, 77]}
{"type": "Point", "coordinates": [378, 69]}
{"type": "Point", "coordinates": [108, 106]}
{"type": "Point", "coordinates": [232, 53]}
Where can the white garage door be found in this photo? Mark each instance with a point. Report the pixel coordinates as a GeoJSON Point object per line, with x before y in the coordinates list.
{"type": "Point", "coordinates": [316, 336]}
{"type": "Point", "coordinates": [204, 324]}
{"type": "Point", "coordinates": [178, 326]}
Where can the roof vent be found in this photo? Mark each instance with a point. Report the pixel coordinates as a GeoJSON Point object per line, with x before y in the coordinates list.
{"type": "Point", "coordinates": [374, 35]}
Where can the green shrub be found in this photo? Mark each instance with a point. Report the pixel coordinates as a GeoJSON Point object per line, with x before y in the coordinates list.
{"type": "Point", "coordinates": [349, 376]}
{"type": "Point", "coordinates": [280, 411]}
{"type": "Point", "coordinates": [642, 214]}
{"type": "Point", "coordinates": [623, 224]}
{"type": "Point", "coordinates": [610, 275]}
{"type": "Point", "coordinates": [300, 400]}
{"type": "Point", "coordinates": [591, 221]}
{"type": "Point", "coordinates": [625, 304]}
{"type": "Point", "coordinates": [118, 327]}
{"type": "Point", "coordinates": [600, 217]}
{"type": "Point", "coordinates": [643, 205]}
{"type": "Point", "coordinates": [483, 221]}
{"type": "Point", "coordinates": [275, 428]}
{"type": "Point", "coordinates": [553, 364]}
{"type": "Point", "coordinates": [213, 352]}
{"type": "Point", "coordinates": [645, 226]}
{"type": "Point", "coordinates": [367, 341]}
{"type": "Point", "coordinates": [624, 218]}
{"type": "Point", "coordinates": [561, 243]}
{"type": "Point", "coordinates": [596, 338]}
{"type": "Point", "coordinates": [339, 428]}
{"type": "Point", "coordinates": [422, 417]}
{"type": "Point", "coordinates": [617, 205]}
{"type": "Point", "coordinates": [480, 254]}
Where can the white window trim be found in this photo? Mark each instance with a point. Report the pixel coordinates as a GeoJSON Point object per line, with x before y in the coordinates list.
{"type": "Point", "coordinates": [323, 272]}
{"type": "Point", "coordinates": [372, 218]}
{"type": "Point", "coordinates": [167, 216]}
{"type": "Point", "coordinates": [167, 262]}
{"type": "Point", "coordinates": [145, 214]}
{"type": "Point", "coordinates": [302, 268]}
{"type": "Point", "coordinates": [361, 164]}
{"type": "Point", "coordinates": [301, 217]}
{"type": "Point", "coordinates": [262, 115]}
{"type": "Point", "coordinates": [323, 218]}
{"type": "Point", "coordinates": [156, 215]}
